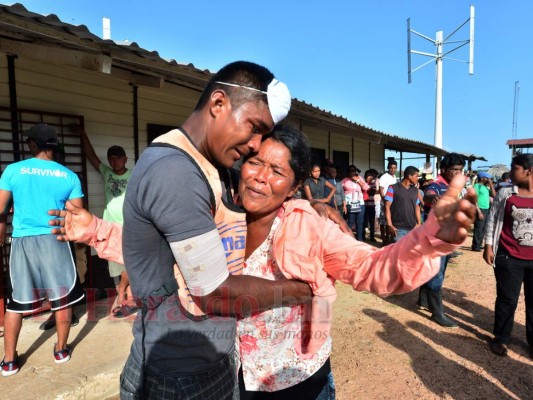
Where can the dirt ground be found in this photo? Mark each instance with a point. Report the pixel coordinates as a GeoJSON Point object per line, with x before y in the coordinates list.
{"type": "Point", "coordinates": [386, 349]}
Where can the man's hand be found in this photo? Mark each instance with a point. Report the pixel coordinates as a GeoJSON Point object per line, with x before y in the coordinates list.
{"type": "Point", "coordinates": [455, 215]}
{"type": "Point", "coordinates": [72, 222]}
{"type": "Point", "coordinates": [488, 254]}
{"type": "Point", "coordinates": [391, 230]}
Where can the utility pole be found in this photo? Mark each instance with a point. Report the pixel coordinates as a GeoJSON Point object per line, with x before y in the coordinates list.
{"type": "Point", "coordinates": [440, 55]}
{"type": "Point", "coordinates": [515, 113]}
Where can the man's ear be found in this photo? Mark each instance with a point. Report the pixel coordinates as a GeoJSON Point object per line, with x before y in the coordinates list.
{"type": "Point", "coordinates": [218, 103]}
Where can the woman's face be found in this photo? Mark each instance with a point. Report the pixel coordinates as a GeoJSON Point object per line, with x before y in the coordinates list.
{"type": "Point", "coordinates": [315, 173]}
{"type": "Point", "coordinates": [267, 179]}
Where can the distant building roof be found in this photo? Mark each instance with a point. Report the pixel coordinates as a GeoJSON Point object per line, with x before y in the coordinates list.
{"type": "Point", "coordinates": [520, 143]}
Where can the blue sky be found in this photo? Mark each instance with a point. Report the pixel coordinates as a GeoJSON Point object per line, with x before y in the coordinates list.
{"type": "Point", "coordinates": [350, 57]}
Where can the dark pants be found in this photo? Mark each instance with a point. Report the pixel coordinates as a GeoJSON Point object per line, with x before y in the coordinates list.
{"type": "Point", "coordinates": [219, 383]}
{"type": "Point", "coordinates": [437, 281]}
{"type": "Point", "coordinates": [370, 219]}
{"type": "Point", "coordinates": [356, 222]}
{"type": "Point", "coordinates": [479, 231]}
{"type": "Point", "coordinates": [510, 272]}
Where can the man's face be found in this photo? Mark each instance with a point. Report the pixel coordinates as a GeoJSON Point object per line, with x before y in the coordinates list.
{"type": "Point", "coordinates": [392, 169]}
{"type": "Point", "coordinates": [413, 179]}
{"type": "Point", "coordinates": [449, 173]}
{"type": "Point", "coordinates": [117, 163]}
{"type": "Point", "coordinates": [237, 132]}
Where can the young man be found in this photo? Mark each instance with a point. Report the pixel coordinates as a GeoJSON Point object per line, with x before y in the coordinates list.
{"type": "Point", "coordinates": [184, 347]}
{"type": "Point", "coordinates": [401, 205]}
{"type": "Point", "coordinates": [115, 178]}
{"type": "Point", "coordinates": [509, 249]}
{"type": "Point", "coordinates": [387, 179]}
{"type": "Point", "coordinates": [40, 266]}
{"type": "Point", "coordinates": [485, 191]}
{"type": "Point", "coordinates": [430, 295]}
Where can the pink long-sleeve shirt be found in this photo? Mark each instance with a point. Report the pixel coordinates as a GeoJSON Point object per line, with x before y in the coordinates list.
{"type": "Point", "coordinates": [309, 248]}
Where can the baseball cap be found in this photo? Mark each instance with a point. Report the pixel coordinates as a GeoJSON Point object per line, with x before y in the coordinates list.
{"type": "Point", "coordinates": [117, 151]}
{"type": "Point", "coordinates": [43, 135]}
{"type": "Point", "coordinates": [484, 175]}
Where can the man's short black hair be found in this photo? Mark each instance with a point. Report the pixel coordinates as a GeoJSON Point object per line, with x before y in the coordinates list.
{"type": "Point", "coordinates": [241, 73]}
{"type": "Point", "coordinates": [409, 171]}
{"type": "Point", "coordinates": [524, 160]}
{"type": "Point", "coordinates": [391, 163]}
{"type": "Point", "coordinates": [451, 159]}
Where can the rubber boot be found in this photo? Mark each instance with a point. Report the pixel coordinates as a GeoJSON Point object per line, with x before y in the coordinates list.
{"type": "Point", "coordinates": [422, 303]}
{"type": "Point", "coordinates": [435, 306]}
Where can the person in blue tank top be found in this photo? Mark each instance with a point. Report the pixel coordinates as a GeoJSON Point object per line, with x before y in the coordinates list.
{"type": "Point", "coordinates": [40, 266]}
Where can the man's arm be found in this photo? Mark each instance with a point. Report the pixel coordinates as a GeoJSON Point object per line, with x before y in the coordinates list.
{"type": "Point", "coordinates": [5, 201]}
{"type": "Point", "coordinates": [417, 214]}
{"type": "Point", "coordinates": [89, 149]}
{"type": "Point", "coordinates": [390, 227]}
{"type": "Point", "coordinates": [240, 294]}
{"type": "Point", "coordinates": [5, 205]}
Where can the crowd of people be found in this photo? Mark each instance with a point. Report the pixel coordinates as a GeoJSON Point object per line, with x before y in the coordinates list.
{"type": "Point", "coordinates": [235, 276]}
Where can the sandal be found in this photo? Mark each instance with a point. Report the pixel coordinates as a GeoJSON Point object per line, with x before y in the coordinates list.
{"type": "Point", "coordinates": [128, 310]}
{"type": "Point", "coordinates": [117, 312]}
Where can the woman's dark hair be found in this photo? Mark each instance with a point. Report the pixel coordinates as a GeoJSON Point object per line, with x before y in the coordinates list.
{"type": "Point", "coordinates": [298, 145]}
{"type": "Point", "coordinates": [524, 160]}
{"type": "Point", "coordinates": [372, 172]}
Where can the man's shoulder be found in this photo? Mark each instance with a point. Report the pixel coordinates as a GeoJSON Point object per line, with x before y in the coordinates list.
{"type": "Point", "coordinates": [436, 188]}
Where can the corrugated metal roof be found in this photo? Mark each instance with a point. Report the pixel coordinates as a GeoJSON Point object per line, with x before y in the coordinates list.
{"type": "Point", "coordinates": [19, 24]}
{"type": "Point", "coordinates": [397, 143]}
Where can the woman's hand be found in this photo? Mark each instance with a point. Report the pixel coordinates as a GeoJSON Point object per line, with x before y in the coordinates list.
{"type": "Point", "coordinates": [73, 222]}
{"type": "Point", "coordinates": [455, 215]}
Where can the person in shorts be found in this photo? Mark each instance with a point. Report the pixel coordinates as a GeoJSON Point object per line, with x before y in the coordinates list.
{"type": "Point", "coordinates": [41, 267]}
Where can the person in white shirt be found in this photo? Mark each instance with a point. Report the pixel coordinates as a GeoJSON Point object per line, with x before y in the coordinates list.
{"type": "Point", "coordinates": [387, 179]}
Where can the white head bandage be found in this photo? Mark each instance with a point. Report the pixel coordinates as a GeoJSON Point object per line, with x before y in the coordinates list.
{"type": "Point", "coordinates": [278, 96]}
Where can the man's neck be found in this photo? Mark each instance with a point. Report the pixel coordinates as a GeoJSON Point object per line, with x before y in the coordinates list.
{"type": "Point", "coordinates": [47, 155]}
{"type": "Point", "coordinates": [406, 184]}
{"type": "Point", "coordinates": [196, 128]}
{"type": "Point", "coordinates": [120, 171]}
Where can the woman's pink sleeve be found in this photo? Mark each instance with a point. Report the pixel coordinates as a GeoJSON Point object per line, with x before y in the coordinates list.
{"type": "Point", "coordinates": [106, 238]}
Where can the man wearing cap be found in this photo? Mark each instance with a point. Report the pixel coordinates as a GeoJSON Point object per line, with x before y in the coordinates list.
{"type": "Point", "coordinates": [115, 177]}
{"type": "Point", "coordinates": [179, 210]}
{"type": "Point", "coordinates": [484, 188]}
{"type": "Point", "coordinates": [40, 266]}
